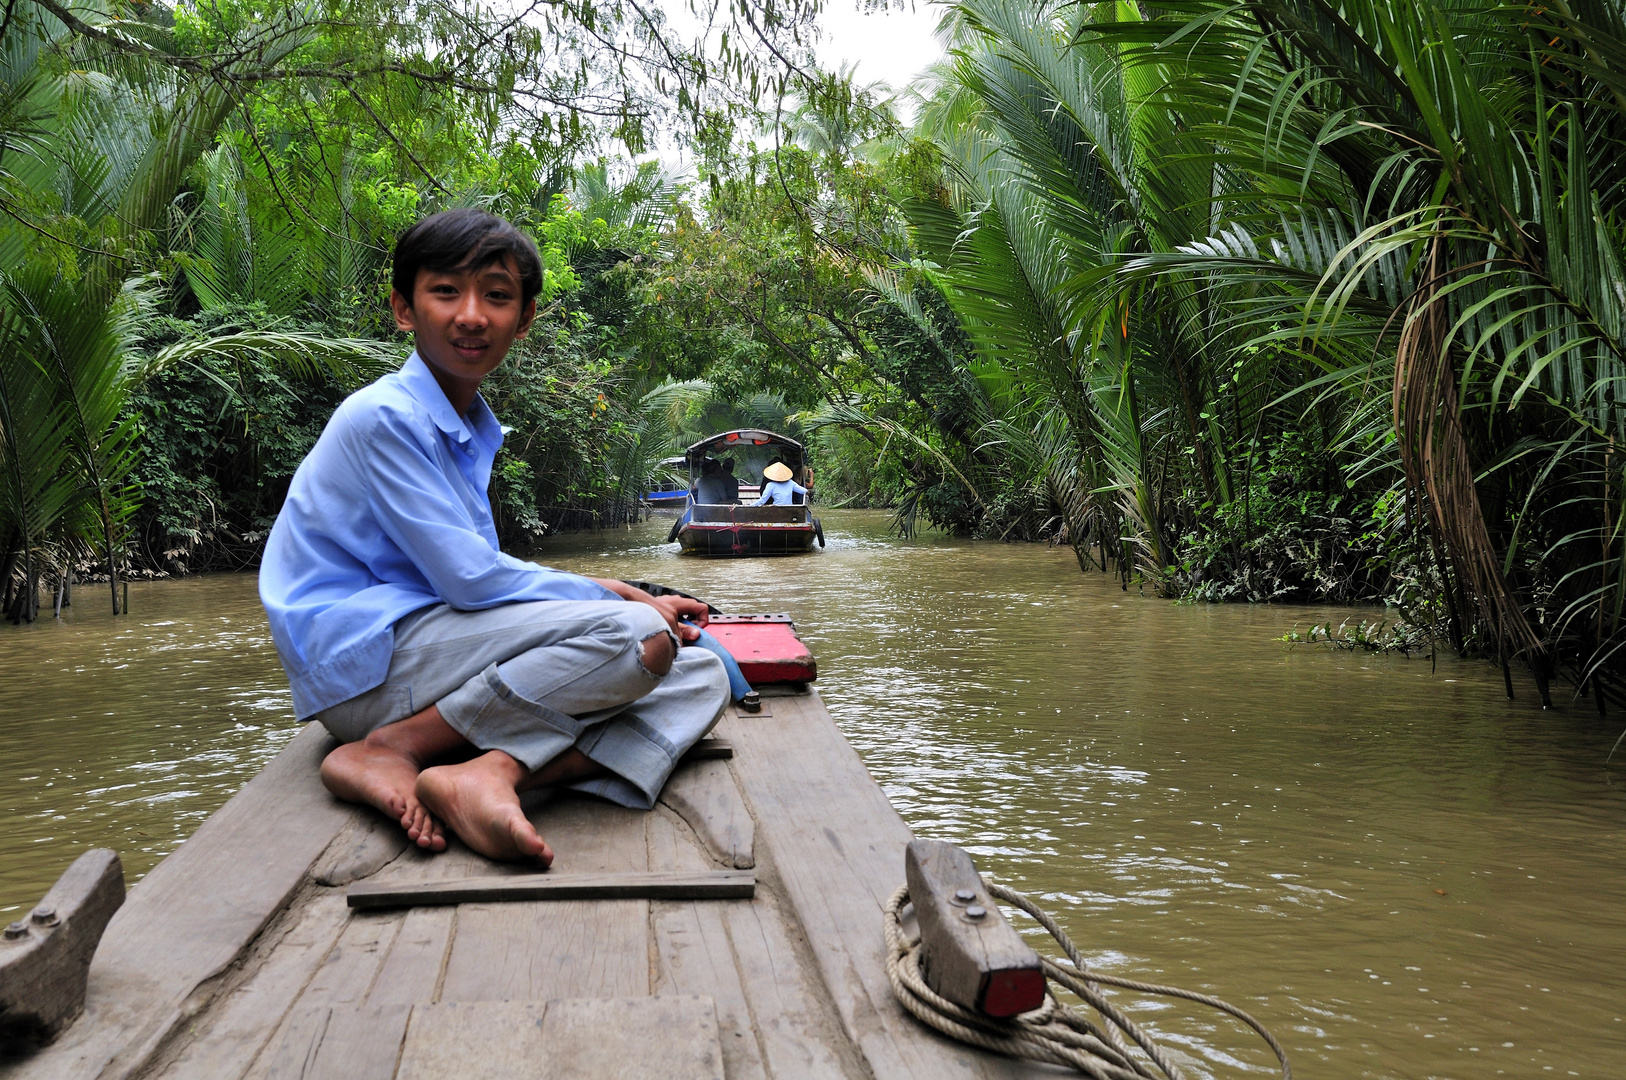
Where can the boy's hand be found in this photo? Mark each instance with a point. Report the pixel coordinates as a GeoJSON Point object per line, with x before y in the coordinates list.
{"type": "Point", "coordinates": [678, 608]}
{"type": "Point", "coordinates": [672, 608]}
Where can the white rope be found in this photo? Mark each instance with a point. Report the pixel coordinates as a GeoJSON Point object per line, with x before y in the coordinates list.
{"type": "Point", "coordinates": [1054, 1032]}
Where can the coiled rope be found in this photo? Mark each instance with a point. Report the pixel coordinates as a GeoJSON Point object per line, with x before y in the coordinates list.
{"type": "Point", "coordinates": [1054, 1033]}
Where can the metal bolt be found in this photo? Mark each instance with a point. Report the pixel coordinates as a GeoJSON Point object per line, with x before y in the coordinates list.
{"type": "Point", "coordinates": [975, 912]}
{"type": "Point", "coordinates": [45, 916]}
{"type": "Point", "coordinates": [751, 702]}
{"type": "Point", "coordinates": [16, 930]}
{"type": "Point", "coordinates": [965, 896]}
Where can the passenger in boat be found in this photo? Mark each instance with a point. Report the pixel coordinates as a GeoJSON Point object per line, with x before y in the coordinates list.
{"type": "Point", "coordinates": [731, 483]}
{"type": "Point", "coordinates": [778, 489]}
{"type": "Point", "coordinates": [454, 675]}
{"type": "Point", "coordinates": [713, 487]}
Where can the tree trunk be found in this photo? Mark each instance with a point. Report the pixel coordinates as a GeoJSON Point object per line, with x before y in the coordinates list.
{"type": "Point", "coordinates": [31, 585]}
{"type": "Point", "coordinates": [6, 568]}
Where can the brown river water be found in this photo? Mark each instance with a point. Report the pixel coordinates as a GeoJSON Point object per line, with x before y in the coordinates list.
{"type": "Point", "coordinates": [1400, 871]}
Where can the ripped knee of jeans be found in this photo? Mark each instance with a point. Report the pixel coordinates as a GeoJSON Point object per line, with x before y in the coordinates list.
{"type": "Point", "coordinates": [656, 653]}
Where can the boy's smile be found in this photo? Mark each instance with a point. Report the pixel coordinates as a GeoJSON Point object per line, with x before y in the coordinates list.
{"type": "Point", "coordinates": [464, 322]}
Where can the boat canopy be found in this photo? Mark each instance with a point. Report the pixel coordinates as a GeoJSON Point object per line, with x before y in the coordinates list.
{"type": "Point", "coordinates": [751, 442]}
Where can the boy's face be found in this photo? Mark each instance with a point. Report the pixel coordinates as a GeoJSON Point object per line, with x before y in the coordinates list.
{"type": "Point", "coordinates": [465, 321]}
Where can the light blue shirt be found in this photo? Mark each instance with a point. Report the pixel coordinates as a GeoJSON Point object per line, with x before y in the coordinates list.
{"type": "Point", "coordinates": [388, 514]}
{"type": "Point", "coordinates": [778, 493]}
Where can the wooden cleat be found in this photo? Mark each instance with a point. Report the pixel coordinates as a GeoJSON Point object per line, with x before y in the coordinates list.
{"type": "Point", "coordinates": [968, 952]}
{"type": "Point", "coordinates": [44, 960]}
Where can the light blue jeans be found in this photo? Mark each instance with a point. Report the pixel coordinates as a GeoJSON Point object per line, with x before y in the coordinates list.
{"type": "Point", "coordinates": [536, 679]}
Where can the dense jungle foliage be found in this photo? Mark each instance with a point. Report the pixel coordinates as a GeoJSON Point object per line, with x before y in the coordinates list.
{"type": "Point", "coordinates": [1283, 300]}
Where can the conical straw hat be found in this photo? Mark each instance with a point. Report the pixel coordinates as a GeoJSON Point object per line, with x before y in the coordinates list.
{"type": "Point", "coordinates": [777, 471]}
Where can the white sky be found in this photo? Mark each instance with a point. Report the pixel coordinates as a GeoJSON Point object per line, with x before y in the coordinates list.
{"type": "Point", "coordinates": [889, 46]}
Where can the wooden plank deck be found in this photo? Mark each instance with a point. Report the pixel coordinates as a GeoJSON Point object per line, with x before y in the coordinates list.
{"type": "Point", "coordinates": [238, 957]}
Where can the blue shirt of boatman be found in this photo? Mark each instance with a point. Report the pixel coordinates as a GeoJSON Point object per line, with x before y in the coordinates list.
{"type": "Point", "coordinates": [779, 492]}
{"type": "Point", "coordinates": [386, 515]}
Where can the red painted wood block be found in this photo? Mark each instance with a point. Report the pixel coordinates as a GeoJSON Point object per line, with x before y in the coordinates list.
{"type": "Point", "coordinates": [766, 648]}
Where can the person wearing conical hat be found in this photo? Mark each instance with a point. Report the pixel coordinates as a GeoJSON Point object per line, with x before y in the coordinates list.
{"type": "Point", "coordinates": [779, 489]}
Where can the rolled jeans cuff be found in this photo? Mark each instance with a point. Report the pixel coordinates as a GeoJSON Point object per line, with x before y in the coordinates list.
{"type": "Point", "coordinates": [489, 714]}
{"type": "Point", "coordinates": [638, 757]}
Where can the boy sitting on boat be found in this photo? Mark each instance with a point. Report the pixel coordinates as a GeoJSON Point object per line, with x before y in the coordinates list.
{"type": "Point", "coordinates": [454, 675]}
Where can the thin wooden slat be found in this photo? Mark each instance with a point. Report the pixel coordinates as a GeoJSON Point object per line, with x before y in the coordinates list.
{"type": "Point", "coordinates": [693, 885]}
{"type": "Point", "coordinates": [644, 1038]}
{"type": "Point", "coordinates": [837, 845]}
{"type": "Point", "coordinates": [712, 749]}
{"type": "Point", "coordinates": [481, 1040]}
{"type": "Point", "coordinates": [191, 917]}
{"type": "Point", "coordinates": [704, 795]}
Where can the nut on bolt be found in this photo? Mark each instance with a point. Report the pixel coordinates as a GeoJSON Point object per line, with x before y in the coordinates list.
{"type": "Point", "coordinates": [16, 930]}
{"type": "Point", "coordinates": [45, 916]}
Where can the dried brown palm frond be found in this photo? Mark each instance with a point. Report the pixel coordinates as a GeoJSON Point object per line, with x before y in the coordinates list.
{"type": "Point", "coordinates": [1438, 469]}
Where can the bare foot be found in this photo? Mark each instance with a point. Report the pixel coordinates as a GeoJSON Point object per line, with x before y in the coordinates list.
{"type": "Point", "coordinates": [386, 778]}
{"type": "Point", "coordinates": [477, 799]}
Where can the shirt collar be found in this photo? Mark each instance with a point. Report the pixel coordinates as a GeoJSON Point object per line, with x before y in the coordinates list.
{"type": "Point", "coordinates": [481, 422]}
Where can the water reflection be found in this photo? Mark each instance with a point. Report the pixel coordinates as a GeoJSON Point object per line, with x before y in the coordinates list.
{"type": "Point", "coordinates": [1402, 872]}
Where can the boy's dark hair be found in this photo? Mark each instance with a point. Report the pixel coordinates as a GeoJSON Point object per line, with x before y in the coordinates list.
{"type": "Point", "coordinates": [466, 239]}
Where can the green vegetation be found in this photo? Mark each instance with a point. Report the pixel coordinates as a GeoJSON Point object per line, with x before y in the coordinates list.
{"type": "Point", "coordinates": [1275, 301]}
{"type": "Point", "coordinates": [1327, 299]}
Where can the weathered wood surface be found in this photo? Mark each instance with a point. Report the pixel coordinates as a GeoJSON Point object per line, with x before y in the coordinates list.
{"type": "Point", "coordinates": [643, 1038]}
{"type": "Point", "coordinates": [480, 1040]}
{"type": "Point", "coordinates": [642, 885]}
{"type": "Point", "coordinates": [772, 1017]}
{"type": "Point", "coordinates": [838, 849]}
{"type": "Point", "coordinates": [45, 957]}
{"type": "Point", "coordinates": [368, 844]}
{"type": "Point", "coordinates": [341, 1043]}
{"type": "Point", "coordinates": [192, 917]}
{"type": "Point", "coordinates": [705, 796]}
{"type": "Point", "coordinates": [968, 952]}
{"type": "Point", "coordinates": [793, 977]}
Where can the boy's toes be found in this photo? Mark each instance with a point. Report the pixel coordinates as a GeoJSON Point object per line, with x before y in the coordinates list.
{"type": "Point", "coordinates": [422, 829]}
{"type": "Point", "coordinates": [528, 842]}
